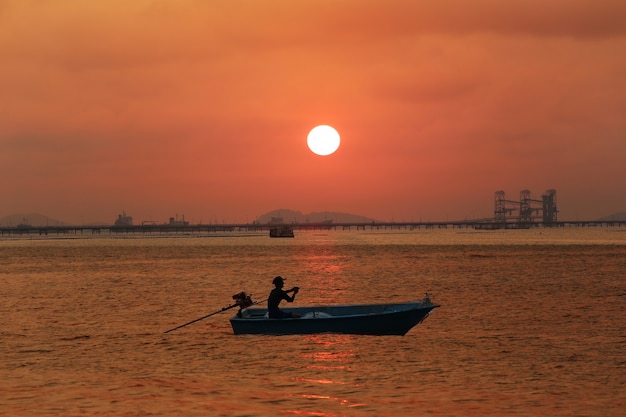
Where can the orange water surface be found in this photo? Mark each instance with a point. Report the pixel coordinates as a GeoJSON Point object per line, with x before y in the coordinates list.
{"type": "Point", "coordinates": [531, 323]}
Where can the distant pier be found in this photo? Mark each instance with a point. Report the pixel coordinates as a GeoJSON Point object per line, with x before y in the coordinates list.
{"type": "Point", "coordinates": [253, 228]}
{"type": "Point", "coordinates": [527, 213]}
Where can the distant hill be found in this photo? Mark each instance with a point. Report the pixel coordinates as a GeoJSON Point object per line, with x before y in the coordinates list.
{"type": "Point", "coordinates": [32, 219]}
{"type": "Point", "coordinates": [616, 217]}
{"type": "Point", "coordinates": [292, 216]}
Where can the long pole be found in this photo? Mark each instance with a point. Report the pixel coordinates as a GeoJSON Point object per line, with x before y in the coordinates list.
{"type": "Point", "coordinates": [212, 314]}
{"type": "Point", "coordinates": [202, 318]}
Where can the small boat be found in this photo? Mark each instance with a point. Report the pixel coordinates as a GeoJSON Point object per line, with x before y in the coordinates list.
{"type": "Point", "coordinates": [282, 231]}
{"type": "Point", "coordinates": [365, 319]}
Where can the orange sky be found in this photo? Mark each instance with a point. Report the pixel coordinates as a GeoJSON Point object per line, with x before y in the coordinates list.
{"type": "Point", "coordinates": [202, 108]}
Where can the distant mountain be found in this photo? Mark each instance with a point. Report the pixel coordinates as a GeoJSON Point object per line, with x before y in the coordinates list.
{"type": "Point", "coordinates": [616, 217]}
{"type": "Point", "coordinates": [32, 219]}
{"type": "Point", "coordinates": [292, 216]}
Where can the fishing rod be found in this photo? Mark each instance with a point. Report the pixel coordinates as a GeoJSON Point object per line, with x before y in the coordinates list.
{"type": "Point", "coordinates": [242, 300]}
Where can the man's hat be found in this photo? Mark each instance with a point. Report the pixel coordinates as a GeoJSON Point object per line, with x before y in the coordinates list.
{"type": "Point", "coordinates": [277, 280]}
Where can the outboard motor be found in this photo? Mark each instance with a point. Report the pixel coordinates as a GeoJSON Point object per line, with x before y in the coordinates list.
{"type": "Point", "coordinates": [243, 300]}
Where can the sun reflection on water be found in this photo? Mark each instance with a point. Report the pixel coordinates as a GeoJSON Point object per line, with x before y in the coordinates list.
{"type": "Point", "coordinates": [317, 381]}
{"type": "Point", "coordinates": [329, 375]}
{"type": "Point", "coordinates": [325, 270]}
{"type": "Point", "coordinates": [337, 347]}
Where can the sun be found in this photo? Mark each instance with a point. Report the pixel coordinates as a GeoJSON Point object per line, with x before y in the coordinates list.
{"type": "Point", "coordinates": [323, 140]}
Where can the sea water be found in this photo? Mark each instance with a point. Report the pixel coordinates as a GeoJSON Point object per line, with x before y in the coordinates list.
{"type": "Point", "coordinates": [531, 323]}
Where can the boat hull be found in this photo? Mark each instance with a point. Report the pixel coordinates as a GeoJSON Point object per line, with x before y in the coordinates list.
{"type": "Point", "coordinates": [365, 319]}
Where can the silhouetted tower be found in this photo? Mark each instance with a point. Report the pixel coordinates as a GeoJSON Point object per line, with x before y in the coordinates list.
{"type": "Point", "coordinates": [549, 207]}
{"type": "Point", "coordinates": [525, 210]}
{"type": "Point", "coordinates": [499, 213]}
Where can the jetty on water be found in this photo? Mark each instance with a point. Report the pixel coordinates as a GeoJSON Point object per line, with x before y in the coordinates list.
{"type": "Point", "coordinates": [263, 229]}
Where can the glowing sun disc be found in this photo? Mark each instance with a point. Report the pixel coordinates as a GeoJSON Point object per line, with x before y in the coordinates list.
{"type": "Point", "coordinates": [323, 140]}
